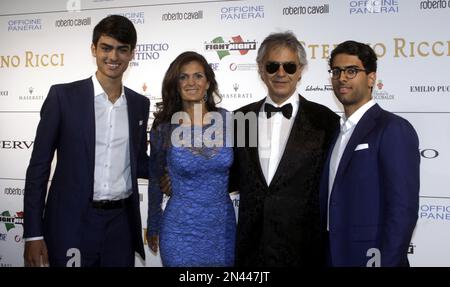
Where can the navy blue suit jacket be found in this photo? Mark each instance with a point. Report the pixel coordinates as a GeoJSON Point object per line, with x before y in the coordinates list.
{"type": "Point", "coordinates": [67, 125]}
{"type": "Point", "coordinates": [375, 197]}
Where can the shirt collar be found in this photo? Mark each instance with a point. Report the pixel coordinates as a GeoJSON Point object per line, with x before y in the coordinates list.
{"type": "Point", "coordinates": [98, 91]}
{"type": "Point", "coordinates": [348, 123]}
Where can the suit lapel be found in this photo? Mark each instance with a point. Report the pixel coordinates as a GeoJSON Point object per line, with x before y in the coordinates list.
{"type": "Point", "coordinates": [132, 128]}
{"type": "Point", "coordinates": [293, 146]}
{"type": "Point", "coordinates": [324, 182]}
{"type": "Point", "coordinates": [253, 151]}
{"type": "Point", "coordinates": [364, 126]}
{"type": "Point", "coordinates": [326, 172]}
{"type": "Point", "coordinates": [86, 95]}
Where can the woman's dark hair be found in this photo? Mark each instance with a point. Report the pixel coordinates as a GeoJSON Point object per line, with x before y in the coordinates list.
{"type": "Point", "coordinates": [171, 98]}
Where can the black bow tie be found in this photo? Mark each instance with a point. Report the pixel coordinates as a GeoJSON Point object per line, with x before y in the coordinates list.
{"type": "Point", "coordinates": [286, 110]}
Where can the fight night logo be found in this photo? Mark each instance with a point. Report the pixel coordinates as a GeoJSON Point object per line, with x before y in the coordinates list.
{"type": "Point", "coordinates": [236, 44]}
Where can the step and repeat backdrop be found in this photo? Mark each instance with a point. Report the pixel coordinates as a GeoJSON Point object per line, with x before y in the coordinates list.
{"type": "Point", "coordinates": [48, 42]}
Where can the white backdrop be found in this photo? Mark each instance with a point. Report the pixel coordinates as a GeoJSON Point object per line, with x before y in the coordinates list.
{"type": "Point", "coordinates": [48, 42]}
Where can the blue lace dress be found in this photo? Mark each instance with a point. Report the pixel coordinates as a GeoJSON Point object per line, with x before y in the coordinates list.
{"type": "Point", "coordinates": [198, 225]}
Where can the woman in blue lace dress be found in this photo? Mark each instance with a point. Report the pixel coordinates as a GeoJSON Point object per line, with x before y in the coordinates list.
{"type": "Point", "coordinates": [188, 139]}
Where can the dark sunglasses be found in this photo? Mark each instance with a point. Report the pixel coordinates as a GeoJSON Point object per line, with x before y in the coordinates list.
{"type": "Point", "coordinates": [288, 67]}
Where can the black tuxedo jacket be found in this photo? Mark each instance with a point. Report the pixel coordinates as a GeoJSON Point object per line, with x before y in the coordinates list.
{"type": "Point", "coordinates": [279, 224]}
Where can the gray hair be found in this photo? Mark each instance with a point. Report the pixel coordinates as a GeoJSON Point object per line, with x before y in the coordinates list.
{"type": "Point", "coordinates": [282, 39]}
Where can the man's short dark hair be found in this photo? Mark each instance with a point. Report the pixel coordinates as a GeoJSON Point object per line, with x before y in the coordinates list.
{"type": "Point", "coordinates": [363, 51]}
{"type": "Point", "coordinates": [117, 27]}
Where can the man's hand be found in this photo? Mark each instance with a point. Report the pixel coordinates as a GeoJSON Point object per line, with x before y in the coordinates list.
{"type": "Point", "coordinates": [165, 185]}
{"type": "Point", "coordinates": [36, 254]}
{"type": "Point", "coordinates": [153, 242]}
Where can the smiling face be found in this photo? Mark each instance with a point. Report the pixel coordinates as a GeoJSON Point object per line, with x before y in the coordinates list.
{"type": "Point", "coordinates": [192, 83]}
{"type": "Point", "coordinates": [355, 92]}
{"type": "Point", "coordinates": [112, 58]}
{"type": "Point", "coordinates": [280, 84]}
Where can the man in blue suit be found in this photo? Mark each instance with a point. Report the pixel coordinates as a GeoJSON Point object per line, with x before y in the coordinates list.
{"type": "Point", "coordinates": [97, 127]}
{"type": "Point", "coordinates": [369, 193]}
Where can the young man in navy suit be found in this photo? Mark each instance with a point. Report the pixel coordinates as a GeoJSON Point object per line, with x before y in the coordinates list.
{"type": "Point", "coordinates": [90, 216]}
{"type": "Point", "coordinates": [369, 193]}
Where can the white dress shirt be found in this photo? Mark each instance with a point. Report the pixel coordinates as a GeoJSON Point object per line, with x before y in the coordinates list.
{"type": "Point", "coordinates": [112, 173]}
{"type": "Point", "coordinates": [273, 134]}
{"type": "Point", "coordinates": [347, 128]}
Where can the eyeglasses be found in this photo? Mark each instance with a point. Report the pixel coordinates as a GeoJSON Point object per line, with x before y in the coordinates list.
{"type": "Point", "coordinates": [288, 67]}
{"type": "Point", "coordinates": [349, 72]}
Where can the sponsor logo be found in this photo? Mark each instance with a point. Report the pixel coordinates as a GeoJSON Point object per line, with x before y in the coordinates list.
{"type": "Point", "coordinates": [32, 60]}
{"type": "Point", "coordinates": [430, 89]}
{"type": "Point", "coordinates": [317, 88]}
{"type": "Point", "coordinates": [237, 94]}
{"type": "Point", "coordinates": [148, 52]}
{"type": "Point", "coordinates": [73, 22]}
{"type": "Point", "coordinates": [399, 48]}
{"type": "Point", "coordinates": [11, 221]}
{"type": "Point", "coordinates": [14, 144]}
{"type": "Point", "coordinates": [73, 5]}
{"type": "Point", "coordinates": [405, 49]}
{"type": "Point", "coordinates": [243, 67]}
{"type": "Point", "coordinates": [379, 93]}
{"type": "Point", "coordinates": [358, 7]}
{"type": "Point", "coordinates": [437, 4]}
{"type": "Point", "coordinates": [434, 212]}
{"type": "Point", "coordinates": [235, 45]}
{"type": "Point", "coordinates": [3, 93]}
{"type": "Point", "coordinates": [14, 191]}
{"type": "Point", "coordinates": [214, 66]}
{"type": "Point", "coordinates": [153, 99]}
{"type": "Point", "coordinates": [135, 17]}
{"type": "Point", "coordinates": [20, 25]}
{"type": "Point", "coordinates": [4, 264]}
{"type": "Point", "coordinates": [429, 153]}
{"type": "Point", "coordinates": [145, 93]}
{"type": "Point", "coordinates": [2, 237]}
{"type": "Point", "coordinates": [178, 16]}
{"type": "Point", "coordinates": [307, 10]}
{"type": "Point", "coordinates": [247, 12]}
{"type": "Point", "coordinates": [31, 96]}
{"type": "Point", "coordinates": [144, 87]}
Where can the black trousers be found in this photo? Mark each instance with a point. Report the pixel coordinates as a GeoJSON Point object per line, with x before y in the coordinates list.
{"type": "Point", "coordinates": [106, 241]}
